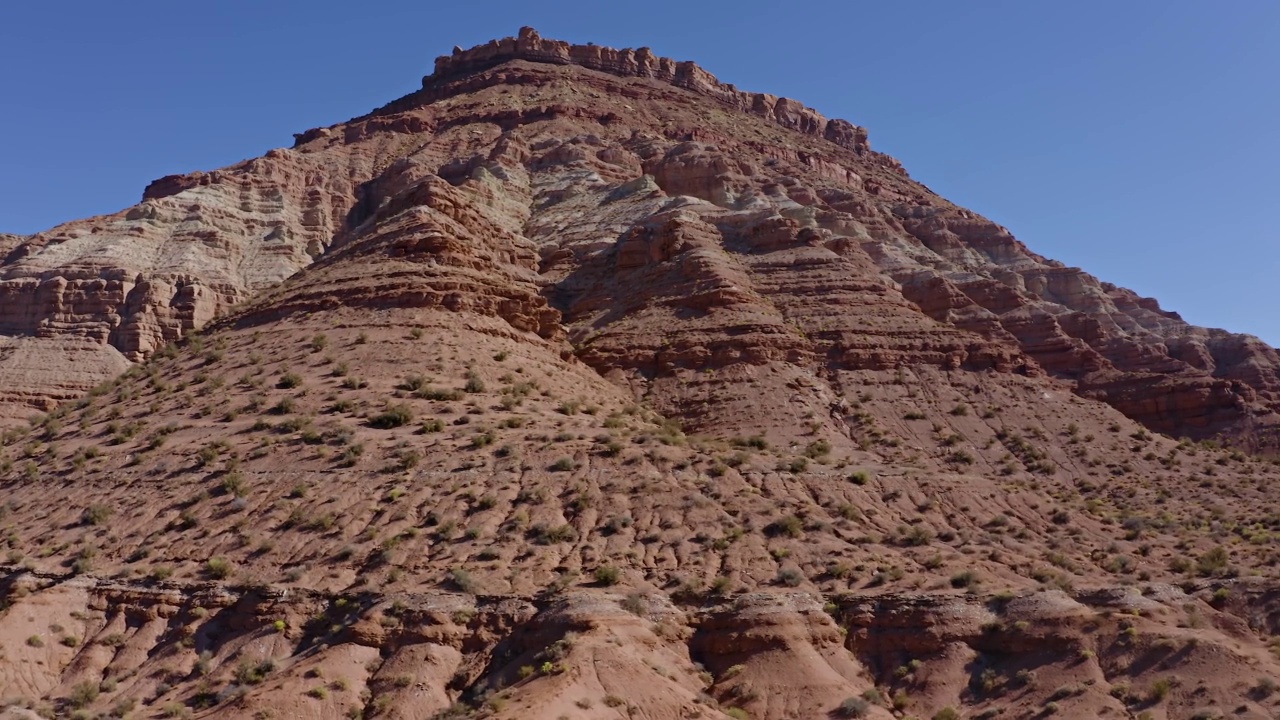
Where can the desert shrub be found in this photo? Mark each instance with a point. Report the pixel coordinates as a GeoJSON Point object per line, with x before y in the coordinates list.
{"type": "Point", "coordinates": [95, 514]}
{"type": "Point", "coordinates": [233, 484]}
{"type": "Point", "coordinates": [791, 577]}
{"type": "Point", "coordinates": [463, 580]}
{"type": "Point", "coordinates": [414, 383]}
{"type": "Point", "coordinates": [608, 575]}
{"type": "Point", "coordinates": [1160, 690]}
{"type": "Point", "coordinates": [218, 568]}
{"type": "Point", "coordinates": [393, 417]}
{"type": "Point", "coordinates": [447, 395]}
{"type": "Point", "coordinates": [289, 381]}
{"type": "Point", "coordinates": [853, 707]}
{"type": "Point", "coordinates": [917, 536]}
{"type": "Point", "coordinates": [563, 464]}
{"type": "Point", "coordinates": [1265, 687]}
{"type": "Point", "coordinates": [1214, 562]}
{"type": "Point", "coordinates": [790, 526]}
{"type": "Point", "coordinates": [83, 694]}
{"type": "Point", "coordinates": [283, 407]}
{"type": "Point", "coordinates": [249, 672]}
{"type": "Point", "coordinates": [544, 534]}
{"type": "Point", "coordinates": [817, 449]}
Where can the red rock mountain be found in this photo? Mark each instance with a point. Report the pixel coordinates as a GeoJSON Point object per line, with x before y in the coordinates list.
{"type": "Point", "coordinates": [580, 384]}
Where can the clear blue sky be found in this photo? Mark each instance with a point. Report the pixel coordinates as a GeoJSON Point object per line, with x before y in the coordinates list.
{"type": "Point", "coordinates": [1137, 139]}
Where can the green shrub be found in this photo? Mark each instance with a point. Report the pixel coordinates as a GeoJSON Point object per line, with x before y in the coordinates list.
{"type": "Point", "coordinates": [608, 575]}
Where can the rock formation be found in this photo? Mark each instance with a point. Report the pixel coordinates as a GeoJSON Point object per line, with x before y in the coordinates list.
{"type": "Point", "coordinates": [559, 128]}
{"type": "Point", "coordinates": [579, 384]}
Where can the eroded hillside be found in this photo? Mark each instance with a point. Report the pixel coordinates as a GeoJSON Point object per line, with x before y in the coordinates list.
{"type": "Point", "coordinates": [578, 384]}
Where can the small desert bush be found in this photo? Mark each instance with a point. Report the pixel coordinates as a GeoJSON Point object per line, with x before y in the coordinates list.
{"type": "Point", "coordinates": [218, 568]}
{"type": "Point", "coordinates": [393, 416]}
{"type": "Point", "coordinates": [853, 707]}
{"type": "Point", "coordinates": [95, 514]}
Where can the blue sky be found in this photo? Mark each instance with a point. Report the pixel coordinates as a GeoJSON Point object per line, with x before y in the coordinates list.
{"type": "Point", "coordinates": [1138, 139]}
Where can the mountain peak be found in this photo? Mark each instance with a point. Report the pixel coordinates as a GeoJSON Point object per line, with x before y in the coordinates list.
{"type": "Point", "coordinates": [530, 46]}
